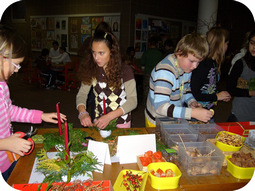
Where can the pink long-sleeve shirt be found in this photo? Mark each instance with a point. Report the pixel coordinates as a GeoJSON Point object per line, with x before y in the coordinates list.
{"type": "Point", "coordinates": [9, 113]}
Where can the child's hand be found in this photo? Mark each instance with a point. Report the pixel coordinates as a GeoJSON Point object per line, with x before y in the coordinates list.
{"type": "Point", "coordinates": [16, 144]}
{"type": "Point", "coordinates": [53, 117]}
{"type": "Point", "coordinates": [86, 120]}
{"type": "Point", "coordinates": [202, 114]}
{"type": "Point", "coordinates": [102, 122]}
{"type": "Point", "coordinates": [195, 104]}
{"type": "Point", "coordinates": [252, 93]}
{"type": "Point", "coordinates": [224, 96]}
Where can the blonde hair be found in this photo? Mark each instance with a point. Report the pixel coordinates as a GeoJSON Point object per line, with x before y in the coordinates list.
{"type": "Point", "coordinates": [217, 37]}
{"type": "Point", "coordinates": [11, 46]}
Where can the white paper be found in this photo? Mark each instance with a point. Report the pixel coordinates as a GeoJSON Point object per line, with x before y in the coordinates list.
{"type": "Point", "coordinates": [101, 151]}
{"type": "Point", "coordinates": [37, 177]}
{"type": "Point", "coordinates": [129, 147]}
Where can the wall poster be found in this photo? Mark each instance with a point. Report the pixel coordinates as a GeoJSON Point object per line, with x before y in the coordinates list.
{"type": "Point", "coordinates": [70, 31]}
{"type": "Point", "coordinates": [147, 26]}
{"type": "Point", "coordinates": [44, 30]}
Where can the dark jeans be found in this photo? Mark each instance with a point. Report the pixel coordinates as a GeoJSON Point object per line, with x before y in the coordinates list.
{"type": "Point", "coordinates": [50, 77]}
{"type": "Point", "coordinates": [232, 118]}
{"type": "Point", "coordinates": [8, 172]}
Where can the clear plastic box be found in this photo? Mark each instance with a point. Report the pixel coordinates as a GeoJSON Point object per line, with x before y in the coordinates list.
{"type": "Point", "coordinates": [160, 122]}
{"type": "Point", "coordinates": [209, 131]}
{"type": "Point", "coordinates": [175, 134]}
{"type": "Point", "coordinates": [208, 163]}
{"type": "Point", "coordinates": [251, 139]}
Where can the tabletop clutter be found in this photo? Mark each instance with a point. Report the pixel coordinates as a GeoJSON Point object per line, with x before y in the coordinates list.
{"type": "Point", "coordinates": [201, 149]}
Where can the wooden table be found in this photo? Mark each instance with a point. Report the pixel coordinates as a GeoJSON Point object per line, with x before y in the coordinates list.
{"type": "Point", "coordinates": [224, 181]}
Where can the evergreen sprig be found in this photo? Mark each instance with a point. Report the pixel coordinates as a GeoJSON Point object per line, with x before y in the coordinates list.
{"type": "Point", "coordinates": [63, 165]}
{"type": "Point", "coordinates": [76, 136]}
{"type": "Point", "coordinates": [111, 126]}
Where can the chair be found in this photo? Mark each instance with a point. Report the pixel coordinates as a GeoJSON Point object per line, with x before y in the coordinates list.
{"type": "Point", "coordinates": [31, 73]}
{"type": "Point", "coordinates": [70, 73]}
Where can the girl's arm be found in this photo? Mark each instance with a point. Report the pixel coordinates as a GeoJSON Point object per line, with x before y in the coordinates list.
{"type": "Point", "coordinates": [131, 103]}
{"type": "Point", "coordinates": [19, 114]}
{"type": "Point", "coordinates": [81, 100]}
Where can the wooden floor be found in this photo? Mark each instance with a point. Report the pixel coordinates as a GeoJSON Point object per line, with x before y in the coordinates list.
{"type": "Point", "coordinates": [32, 96]}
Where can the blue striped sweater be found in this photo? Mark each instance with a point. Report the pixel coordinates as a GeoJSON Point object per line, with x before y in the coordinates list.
{"type": "Point", "coordinates": [164, 97]}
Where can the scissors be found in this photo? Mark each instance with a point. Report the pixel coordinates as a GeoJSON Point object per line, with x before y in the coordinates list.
{"type": "Point", "coordinates": [28, 136]}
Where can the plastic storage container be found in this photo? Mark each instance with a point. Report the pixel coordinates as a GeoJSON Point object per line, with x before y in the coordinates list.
{"type": "Point", "coordinates": [225, 147]}
{"type": "Point", "coordinates": [160, 122]}
{"type": "Point", "coordinates": [208, 163]}
{"type": "Point", "coordinates": [164, 183]}
{"type": "Point", "coordinates": [251, 139]}
{"type": "Point", "coordinates": [239, 172]}
{"type": "Point", "coordinates": [209, 131]}
{"type": "Point", "coordinates": [118, 185]}
{"type": "Point", "coordinates": [175, 134]}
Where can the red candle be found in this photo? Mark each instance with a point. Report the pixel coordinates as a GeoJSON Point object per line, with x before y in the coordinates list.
{"type": "Point", "coordinates": [104, 105]}
{"type": "Point", "coordinates": [66, 138]}
{"type": "Point", "coordinates": [59, 120]}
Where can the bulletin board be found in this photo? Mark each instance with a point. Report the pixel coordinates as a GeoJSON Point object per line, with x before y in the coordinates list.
{"type": "Point", "coordinates": [70, 31]}
{"type": "Point", "coordinates": [165, 28]}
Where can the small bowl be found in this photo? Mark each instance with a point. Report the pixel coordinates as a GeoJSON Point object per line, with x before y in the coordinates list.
{"type": "Point", "coordinates": [118, 185]}
{"type": "Point", "coordinates": [239, 172]}
{"type": "Point", "coordinates": [225, 147]}
{"type": "Point", "coordinates": [164, 183]}
{"type": "Point", "coordinates": [105, 133]}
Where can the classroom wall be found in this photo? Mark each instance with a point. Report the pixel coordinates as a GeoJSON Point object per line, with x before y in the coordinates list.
{"type": "Point", "coordinates": [127, 9]}
{"type": "Point", "coordinates": [231, 14]}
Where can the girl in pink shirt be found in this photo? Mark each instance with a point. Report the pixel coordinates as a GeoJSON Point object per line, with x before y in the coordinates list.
{"type": "Point", "coordinates": [12, 52]}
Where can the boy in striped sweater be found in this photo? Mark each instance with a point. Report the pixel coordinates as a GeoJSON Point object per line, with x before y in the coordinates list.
{"type": "Point", "coordinates": [170, 83]}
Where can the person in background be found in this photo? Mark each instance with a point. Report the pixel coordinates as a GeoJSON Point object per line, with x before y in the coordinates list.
{"type": "Point", "coordinates": [62, 58]}
{"type": "Point", "coordinates": [168, 47]}
{"type": "Point", "coordinates": [113, 84]}
{"type": "Point", "coordinates": [54, 51]}
{"type": "Point", "coordinates": [131, 61]}
{"type": "Point", "coordinates": [170, 83]}
{"type": "Point", "coordinates": [12, 53]}
{"type": "Point", "coordinates": [205, 77]}
{"type": "Point", "coordinates": [44, 65]}
{"type": "Point", "coordinates": [149, 60]}
{"type": "Point", "coordinates": [240, 86]}
{"type": "Point", "coordinates": [83, 51]}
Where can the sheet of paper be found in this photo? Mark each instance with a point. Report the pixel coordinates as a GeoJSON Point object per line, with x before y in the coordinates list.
{"type": "Point", "coordinates": [101, 151]}
{"type": "Point", "coordinates": [132, 145]}
{"type": "Point", "coordinates": [37, 177]}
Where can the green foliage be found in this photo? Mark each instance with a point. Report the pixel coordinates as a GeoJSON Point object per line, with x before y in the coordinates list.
{"type": "Point", "coordinates": [160, 146]}
{"type": "Point", "coordinates": [62, 165]}
{"type": "Point", "coordinates": [76, 136]}
{"type": "Point", "coordinates": [251, 84]}
{"type": "Point", "coordinates": [112, 125]}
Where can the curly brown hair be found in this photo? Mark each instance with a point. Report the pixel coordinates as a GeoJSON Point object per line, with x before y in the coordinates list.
{"type": "Point", "coordinates": [89, 70]}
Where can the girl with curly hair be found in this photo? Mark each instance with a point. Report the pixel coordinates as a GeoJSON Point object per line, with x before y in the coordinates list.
{"type": "Point", "coordinates": [112, 81]}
